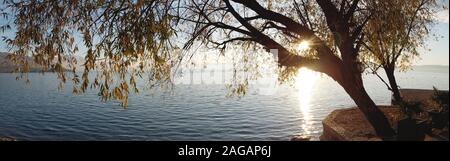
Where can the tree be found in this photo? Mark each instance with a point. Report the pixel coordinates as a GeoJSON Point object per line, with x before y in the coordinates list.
{"type": "Point", "coordinates": [335, 28]}
{"type": "Point", "coordinates": [125, 34]}
{"type": "Point", "coordinates": [394, 35]}
{"type": "Point", "coordinates": [123, 39]}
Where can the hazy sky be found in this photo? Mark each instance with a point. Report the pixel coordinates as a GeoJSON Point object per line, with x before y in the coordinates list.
{"type": "Point", "coordinates": [439, 50]}
{"type": "Point", "coordinates": [436, 54]}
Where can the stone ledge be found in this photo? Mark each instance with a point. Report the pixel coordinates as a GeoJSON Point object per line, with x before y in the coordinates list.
{"type": "Point", "coordinates": [351, 125]}
{"type": "Point", "coordinates": [7, 139]}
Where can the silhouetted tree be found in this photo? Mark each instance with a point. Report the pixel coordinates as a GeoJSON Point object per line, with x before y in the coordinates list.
{"type": "Point", "coordinates": [334, 29]}
{"type": "Point", "coordinates": [135, 38]}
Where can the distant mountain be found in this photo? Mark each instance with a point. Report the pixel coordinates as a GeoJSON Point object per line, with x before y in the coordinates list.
{"type": "Point", "coordinates": [6, 66]}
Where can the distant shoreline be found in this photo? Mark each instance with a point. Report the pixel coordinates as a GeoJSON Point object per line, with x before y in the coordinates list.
{"type": "Point", "coordinates": [8, 69]}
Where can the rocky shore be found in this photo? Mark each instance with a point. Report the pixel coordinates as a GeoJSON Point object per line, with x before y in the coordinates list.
{"type": "Point", "coordinates": [351, 125]}
{"type": "Point", "coordinates": [7, 139]}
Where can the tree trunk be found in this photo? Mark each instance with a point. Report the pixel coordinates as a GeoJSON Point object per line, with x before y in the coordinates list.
{"type": "Point", "coordinates": [353, 85]}
{"type": "Point", "coordinates": [393, 83]}
{"type": "Point", "coordinates": [373, 114]}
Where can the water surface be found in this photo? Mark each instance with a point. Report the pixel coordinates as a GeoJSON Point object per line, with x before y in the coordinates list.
{"type": "Point", "coordinates": [192, 112]}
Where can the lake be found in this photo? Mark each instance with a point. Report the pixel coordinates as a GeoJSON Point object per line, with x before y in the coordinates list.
{"type": "Point", "coordinates": [191, 112]}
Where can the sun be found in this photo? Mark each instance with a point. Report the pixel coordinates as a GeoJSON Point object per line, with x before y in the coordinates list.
{"type": "Point", "coordinates": [304, 45]}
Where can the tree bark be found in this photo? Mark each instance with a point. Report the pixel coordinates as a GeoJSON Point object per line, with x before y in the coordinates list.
{"type": "Point", "coordinates": [373, 114]}
{"type": "Point", "coordinates": [353, 85]}
{"type": "Point", "coordinates": [393, 83]}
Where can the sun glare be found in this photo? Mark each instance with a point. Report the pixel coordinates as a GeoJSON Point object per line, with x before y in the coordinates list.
{"type": "Point", "coordinates": [305, 81]}
{"type": "Point", "coordinates": [304, 45]}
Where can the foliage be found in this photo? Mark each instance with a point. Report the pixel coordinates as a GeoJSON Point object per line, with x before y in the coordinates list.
{"type": "Point", "coordinates": [394, 36]}
{"type": "Point", "coordinates": [440, 118]}
{"type": "Point", "coordinates": [281, 25]}
{"type": "Point", "coordinates": [123, 39]}
{"type": "Point", "coordinates": [426, 121]}
{"type": "Point", "coordinates": [126, 40]}
{"type": "Point", "coordinates": [130, 40]}
{"type": "Point", "coordinates": [412, 108]}
{"type": "Point", "coordinates": [396, 31]}
{"type": "Point", "coordinates": [441, 97]}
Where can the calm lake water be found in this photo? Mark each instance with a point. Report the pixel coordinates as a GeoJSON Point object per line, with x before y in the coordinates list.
{"type": "Point", "coordinates": [192, 112]}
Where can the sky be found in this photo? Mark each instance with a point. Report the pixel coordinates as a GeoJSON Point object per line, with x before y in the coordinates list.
{"type": "Point", "coordinates": [435, 53]}
{"type": "Point", "coordinates": [439, 49]}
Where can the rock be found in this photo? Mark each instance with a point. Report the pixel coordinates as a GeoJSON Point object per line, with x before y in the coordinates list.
{"type": "Point", "coordinates": [300, 138]}
{"type": "Point", "coordinates": [351, 125]}
{"type": "Point", "coordinates": [7, 139]}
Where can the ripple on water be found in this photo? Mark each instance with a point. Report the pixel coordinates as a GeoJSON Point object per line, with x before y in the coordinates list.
{"type": "Point", "coordinates": [41, 112]}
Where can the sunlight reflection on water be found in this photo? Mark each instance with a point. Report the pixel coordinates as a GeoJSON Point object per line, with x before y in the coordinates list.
{"type": "Point", "coordinates": [305, 82]}
{"type": "Point", "coordinates": [191, 113]}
